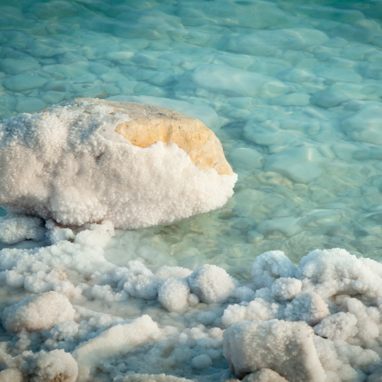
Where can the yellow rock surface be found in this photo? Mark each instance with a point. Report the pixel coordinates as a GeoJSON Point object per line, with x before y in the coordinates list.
{"type": "Point", "coordinates": [149, 124]}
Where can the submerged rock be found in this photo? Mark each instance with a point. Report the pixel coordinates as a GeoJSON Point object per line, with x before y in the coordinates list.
{"type": "Point", "coordinates": [88, 160]}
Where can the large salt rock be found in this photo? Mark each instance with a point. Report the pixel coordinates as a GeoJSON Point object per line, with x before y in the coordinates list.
{"type": "Point", "coordinates": [39, 312]}
{"type": "Point", "coordinates": [148, 124]}
{"type": "Point", "coordinates": [14, 229]}
{"type": "Point", "coordinates": [338, 326]}
{"type": "Point", "coordinates": [88, 160]}
{"type": "Point", "coordinates": [284, 347]}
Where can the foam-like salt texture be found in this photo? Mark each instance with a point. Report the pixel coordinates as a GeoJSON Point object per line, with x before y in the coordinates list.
{"type": "Point", "coordinates": [14, 229]}
{"type": "Point", "coordinates": [74, 168]}
{"type": "Point", "coordinates": [320, 321]}
{"type": "Point", "coordinates": [38, 313]}
{"type": "Point", "coordinates": [56, 365]}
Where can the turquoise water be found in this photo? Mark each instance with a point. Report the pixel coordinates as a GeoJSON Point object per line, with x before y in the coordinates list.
{"type": "Point", "coordinates": [296, 87]}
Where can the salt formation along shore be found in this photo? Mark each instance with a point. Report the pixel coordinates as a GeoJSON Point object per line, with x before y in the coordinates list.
{"type": "Point", "coordinates": [320, 321]}
{"type": "Point", "coordinates": [88, 160]}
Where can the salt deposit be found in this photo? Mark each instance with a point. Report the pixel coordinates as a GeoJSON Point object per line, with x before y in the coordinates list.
{"type": "Point", "coordinates": [38, 313]}
{"type": "Point", "coordinates": [84, 152]}
{"type": "Point", "coordinates": [306, 323]}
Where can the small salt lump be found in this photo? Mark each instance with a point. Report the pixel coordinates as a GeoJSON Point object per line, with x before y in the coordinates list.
{"type": "Point", "coordinates": [270, 266]}
{"type": "Point", "coordinates": [14, 229]}
{"type": "Point", "coordinates": [137, 280]}
{"type": "Point", "coordinates": [285, 347]}
{"type": "Point", "coordinates": [39, 312]}
{"type": "Point", "coordinates": [56, 365]}
{"type": "Point", "coordinates": [286, 288]}
{"type": "Point", "coordinates": [338, 326]}
{"type": "Point", "coordinates": [173, 295]}
{"type": "Point", "coordinates": [211, 284]}
{"type": "Point", "coordinates": [308, 307]}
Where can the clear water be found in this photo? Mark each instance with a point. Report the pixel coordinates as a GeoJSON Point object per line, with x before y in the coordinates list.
{"type": "Point", "coordinates": [296, 87]}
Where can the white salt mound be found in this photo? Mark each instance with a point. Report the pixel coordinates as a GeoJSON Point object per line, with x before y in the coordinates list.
{"type": "Point", "coordinates": [284, 347]}
{"type": "Point", "coordinates": [308, 307]}
{"type": "Point", "coordinates": [14, 229]}
{"type": "Point", "coordinates": [173, 295]}
{"type": "Point", "coordinates": [338, 326]}
{"type": "Point", "coordinates": [53, 366]}
{"type": "Point", "coordinates": [211, 283]}
{"type": "Point", "coordinates": [270, 266]}
{"type": "Point", "coordinates": [286, 288]}
{"type": "Point", "coordinates": [38, 313]}
{"type": "Point", "coordinates": [73, 167]}
{"type": "Point", "coordinates": [11, 375]}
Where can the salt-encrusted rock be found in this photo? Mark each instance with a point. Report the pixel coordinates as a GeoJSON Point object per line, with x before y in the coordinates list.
{"type": "Point", "coordinates": [14, 229]}
{"type": "Point", "coordinates": [270, 266]}
{"type": "Point", "coordinates": [284, 347]}
{"type": "Point", "coordinates": [256, 310]}
{"type": "Point", "coordinates": [331, 272]}
{"type": "Point", "coordinates": [88, 160]}
{"type": "Point", "coordinates": [148, 124]}
{"type": "Point", "coordinates": [264, 375]}
{"type": "Point", "coordinates": [39, 312]}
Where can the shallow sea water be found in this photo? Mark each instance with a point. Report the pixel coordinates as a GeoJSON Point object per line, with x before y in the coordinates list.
{"type": "Point", "coordinates": [291, 88]}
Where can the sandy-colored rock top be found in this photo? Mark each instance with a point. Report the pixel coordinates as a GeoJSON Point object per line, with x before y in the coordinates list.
{"type": "Point", "coordinates": [148, 124]}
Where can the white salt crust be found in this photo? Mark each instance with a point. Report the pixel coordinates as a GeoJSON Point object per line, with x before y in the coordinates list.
{"type": "Point", "coordinates": [36, 313]}
{"type": "Point", "coordinates": [319, 322]}
{"type": "Point", "coordinates": [14, 229]}
{"type": "Point", "coordinates": [74, 168]}
{"type": "Point", "coordinates": [54, 366]}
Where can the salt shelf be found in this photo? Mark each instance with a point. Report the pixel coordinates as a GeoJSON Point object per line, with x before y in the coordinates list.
{"type": "Point", "coordinates": [319, 321]}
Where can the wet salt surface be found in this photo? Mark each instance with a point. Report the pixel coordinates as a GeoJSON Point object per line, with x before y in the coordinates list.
{"type": "Point", "coordinates": [293, 91]}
